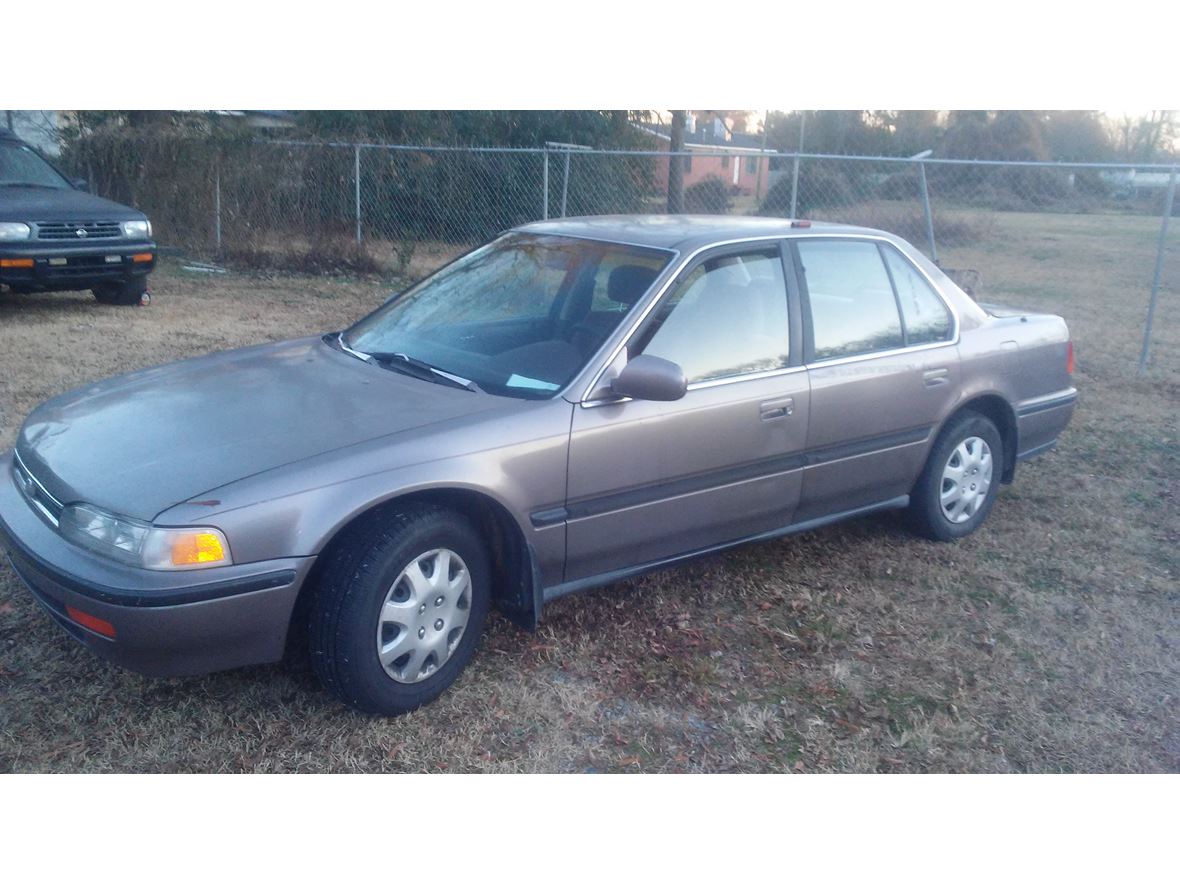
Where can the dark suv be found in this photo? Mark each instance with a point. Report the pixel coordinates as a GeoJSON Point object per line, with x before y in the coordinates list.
{"type": "Point", "coordinates": [54, 236]}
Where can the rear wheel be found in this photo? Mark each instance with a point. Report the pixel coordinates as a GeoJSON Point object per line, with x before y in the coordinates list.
{"type": "Point", "coordinates": [960, 481]}
{"type": "Point", "coordinates": [127, 293]}
{"type": "Point", "coordinates": [400, 608]}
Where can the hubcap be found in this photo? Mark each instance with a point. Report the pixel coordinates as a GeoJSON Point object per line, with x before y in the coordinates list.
{"type": "Point", "coordinates": [413, 639]}
{"type": "Point", "coordinates": [966, 479]}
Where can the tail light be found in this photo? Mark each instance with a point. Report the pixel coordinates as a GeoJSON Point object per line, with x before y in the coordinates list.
{"type": "Point", "coordinates": [1069, 363]}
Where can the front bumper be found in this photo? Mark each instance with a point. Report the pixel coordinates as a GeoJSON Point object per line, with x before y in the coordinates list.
{"type": "Point", "coordinates": [165, 623]}
{"type": "Point", "coordinates": [73, 266]}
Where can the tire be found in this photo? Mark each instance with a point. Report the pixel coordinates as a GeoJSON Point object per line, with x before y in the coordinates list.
{"type": "Point", "coordinates": [128, 293]}
{"type": "Point", "coordinates": [958, 486]}
{"type": "Point", "coordinates": [370, 598]}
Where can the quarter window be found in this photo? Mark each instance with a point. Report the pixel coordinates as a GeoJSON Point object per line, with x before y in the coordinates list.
{"type": "Point", "coordinates": [926, 317]}
{"type": "Point", "coordinates": [728, 317]}
{"type": "Point", "coordinates": [853, 309]}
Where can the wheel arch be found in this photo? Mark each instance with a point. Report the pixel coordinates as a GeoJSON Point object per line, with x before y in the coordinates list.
{"type": "Point", "coordinates": [999, 411]}
{"type": "Point", "coordinates": [516, 583]}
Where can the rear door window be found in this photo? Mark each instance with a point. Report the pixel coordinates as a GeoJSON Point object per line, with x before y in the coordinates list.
{"type": "Point", "coordinates": [926, 317]}
{"type": "Point", "coordinates": [853, 309]}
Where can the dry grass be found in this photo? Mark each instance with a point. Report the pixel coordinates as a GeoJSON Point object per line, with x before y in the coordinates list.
{"type": "Point", "coordinates": [1048, 641]}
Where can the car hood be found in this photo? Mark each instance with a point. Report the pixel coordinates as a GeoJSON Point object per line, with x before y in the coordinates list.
{"type": "Point", "coordinates": [59, 204]}
{"type": "Point", "coordinates": [141, 443]}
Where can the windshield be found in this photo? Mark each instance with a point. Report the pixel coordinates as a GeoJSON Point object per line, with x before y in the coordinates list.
{"type": "Point", "coordinates": [19, 164]}
{"type": "Point", "coordinates": [519, 316]}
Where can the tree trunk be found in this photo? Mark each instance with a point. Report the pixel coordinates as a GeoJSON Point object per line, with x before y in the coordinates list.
{"type": "Point", "coordinates": [676, 166]}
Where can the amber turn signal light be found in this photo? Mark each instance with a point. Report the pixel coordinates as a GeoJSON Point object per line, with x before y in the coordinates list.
{"type": "Point", "coordinates": [16, 262]}
{"type": "Point", "coordinates": [141, 257]}
{"type": "Point", "coordinates": [195, 548]}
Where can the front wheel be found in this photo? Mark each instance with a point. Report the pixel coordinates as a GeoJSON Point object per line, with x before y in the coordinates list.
{"type": "Point", "coordinates": [400, 608]}
{"type": "Point", "coordinates": [130, 292]}
{"type": "Point", "coordinates": [960, 481]}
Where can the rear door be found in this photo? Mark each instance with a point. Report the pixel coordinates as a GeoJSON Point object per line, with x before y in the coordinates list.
{"type": "Point", "coordinates": [651, 480]}
{"type": "Point", "coordinates": [883, 371]}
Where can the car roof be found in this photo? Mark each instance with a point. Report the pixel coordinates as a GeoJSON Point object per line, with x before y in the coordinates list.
{"type": "Point", "coordinates": [684, 232]}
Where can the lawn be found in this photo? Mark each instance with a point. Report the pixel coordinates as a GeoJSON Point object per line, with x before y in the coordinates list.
{"type": "Point", "coordinates": [1047, 641]}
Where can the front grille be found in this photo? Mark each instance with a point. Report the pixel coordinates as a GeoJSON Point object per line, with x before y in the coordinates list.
{"type": "Point", "coordinates": [79, 231]}
{"type": "Point", "coordinates": [35, 493]}
{"type": "Point", "coordinates": [86, 271]}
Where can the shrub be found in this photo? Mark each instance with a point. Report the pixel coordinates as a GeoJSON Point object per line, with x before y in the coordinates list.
{"type": "Point", "coordinates": [1091, 184]}
{"type": "Point", "coordinates": [710, 196]}
{"type": "Point", "coordinates": [820, 187]}
{"type": "Point", "coordinates": [900, 186]}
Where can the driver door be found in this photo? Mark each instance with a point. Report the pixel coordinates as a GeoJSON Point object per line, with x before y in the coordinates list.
{"type": "Point", "coordinates": [649, 481]}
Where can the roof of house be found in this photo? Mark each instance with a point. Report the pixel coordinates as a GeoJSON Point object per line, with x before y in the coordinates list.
{"type": "Point", "coordinates": [704, 138]}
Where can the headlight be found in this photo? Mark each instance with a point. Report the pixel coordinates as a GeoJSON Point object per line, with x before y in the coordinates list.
{"type": "Point", "coordinates": [14, 230]}
{"type": "Point", "coordinates": [142, 544]}
{"type": "Point", "coordinates": [137, 230]}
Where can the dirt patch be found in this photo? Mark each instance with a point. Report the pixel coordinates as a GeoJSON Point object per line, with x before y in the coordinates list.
{"type": "Point", "coordinates": [1048, 641]}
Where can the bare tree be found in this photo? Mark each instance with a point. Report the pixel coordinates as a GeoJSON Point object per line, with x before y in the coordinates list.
{"type": "Point", "coordinates": [676, 165]}
{"type": "Point", "coordinates": [1141, 139]}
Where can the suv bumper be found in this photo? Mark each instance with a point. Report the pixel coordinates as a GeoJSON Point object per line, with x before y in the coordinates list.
{"type": "Point", "coordinates": [164, 623]}
{"type": "Point", "coordinates": [72, 266]}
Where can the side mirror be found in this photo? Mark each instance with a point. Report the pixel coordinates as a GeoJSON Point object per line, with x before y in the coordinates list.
{"type": "Point", "coordinates": [650, 378]}
{"type": "Point", "coordinates": [80, 184]}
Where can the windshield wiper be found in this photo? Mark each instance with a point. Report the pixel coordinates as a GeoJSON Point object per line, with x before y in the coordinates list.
{"type": "Point", "coordinates": [52, 187]}
{"type": "Point", "coordinates": [423, 369]}
{"type": "Point", "coordinates": [363, 357]}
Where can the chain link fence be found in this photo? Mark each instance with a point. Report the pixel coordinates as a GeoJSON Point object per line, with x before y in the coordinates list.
{"type": "Point", "coordinates": [376, 206]}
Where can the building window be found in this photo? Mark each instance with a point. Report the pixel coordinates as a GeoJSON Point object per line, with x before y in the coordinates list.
{"type": "Point", "coordinates": [725, 162]}
{"type": "Point", "coordinates": [687, 164]}
{"type": "Point", "coordinates": [751, 165]}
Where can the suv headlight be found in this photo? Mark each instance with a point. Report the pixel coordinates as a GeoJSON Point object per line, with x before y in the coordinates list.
{"type": "Point", "coordinates": [137, 230]}
{"type": "Point", "coordinates": [14, 230]}
{"type": "Point", "coordinates": [142, 544]}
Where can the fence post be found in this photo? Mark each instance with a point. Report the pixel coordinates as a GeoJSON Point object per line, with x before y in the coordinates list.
{"type": "Point", "coordinates": [565, 181]}
{"type": "Point", "coordinates": [545, 185]}
{"type": "Point", "coordinates": [217, 202]}
{"type": "Point", "coordinates": [794, 185]}
{"type": "Point", "coordinates": [926, 208]}
{"type": "Point", "coordinates": [1159, 270]}
{"type": "Point", "coordinates": [356, 176]}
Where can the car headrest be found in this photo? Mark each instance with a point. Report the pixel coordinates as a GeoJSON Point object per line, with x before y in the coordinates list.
{"type": "Point", "coordinates": [627, 283]}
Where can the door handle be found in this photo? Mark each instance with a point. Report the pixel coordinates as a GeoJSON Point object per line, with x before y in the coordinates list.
{"type": "Point", "coordinates": [935, 377]}
{"type": "Point", "coordinates": [777, 408]}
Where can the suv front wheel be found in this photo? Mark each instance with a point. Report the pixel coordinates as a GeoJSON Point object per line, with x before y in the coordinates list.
{"type": "Point", "coordinates": [126, 293]}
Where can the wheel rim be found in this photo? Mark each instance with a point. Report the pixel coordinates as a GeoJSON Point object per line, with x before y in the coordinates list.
{"type": "Point", "coordinates": [966, 479]}
{"type": "Point", "coordinates": [424, 616]}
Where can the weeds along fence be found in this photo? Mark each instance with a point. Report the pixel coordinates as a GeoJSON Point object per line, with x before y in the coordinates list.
{"type": "Point", "coordinates": [315, 205]}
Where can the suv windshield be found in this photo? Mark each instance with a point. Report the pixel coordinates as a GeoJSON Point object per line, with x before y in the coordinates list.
{"type": "Point", "coordinates": [20, 165]}
{"type": "Point", "coordinates": [519, 316]}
